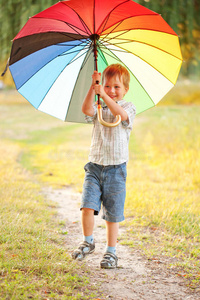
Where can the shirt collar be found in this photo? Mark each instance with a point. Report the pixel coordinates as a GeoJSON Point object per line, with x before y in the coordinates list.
{"type": "Point", "coordinates": [120, 102]}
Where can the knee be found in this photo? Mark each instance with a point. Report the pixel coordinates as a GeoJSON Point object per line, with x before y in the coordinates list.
{"type": "Point", "coordinates": [87, 211]}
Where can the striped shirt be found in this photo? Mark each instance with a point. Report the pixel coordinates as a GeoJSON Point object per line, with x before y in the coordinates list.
{"type": "Point", "coordinates": [110, 144]}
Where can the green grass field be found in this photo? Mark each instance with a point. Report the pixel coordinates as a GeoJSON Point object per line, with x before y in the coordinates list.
{"type": "Point", "coordinates": [162, 205]}
{"type": "Point", "coordinates": [33, 260]}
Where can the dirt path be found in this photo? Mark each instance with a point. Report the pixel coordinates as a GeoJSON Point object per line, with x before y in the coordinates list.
{"type": "Point", "coordinates": [135, 278]}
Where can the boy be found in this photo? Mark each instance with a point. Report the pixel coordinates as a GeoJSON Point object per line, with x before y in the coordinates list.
{"type": "Point", "coordinates": [105, 178]}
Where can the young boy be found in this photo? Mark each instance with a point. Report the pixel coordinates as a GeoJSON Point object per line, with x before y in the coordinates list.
{"type": "Point", "coordinates": [105, 174]}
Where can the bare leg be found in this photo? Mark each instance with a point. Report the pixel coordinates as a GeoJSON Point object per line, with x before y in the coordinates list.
{"type": "Point", "coordinates": [109, 260]}
{"type": "Point", "coordinates": [87, 221]}
{"type": "Point", "coordinates": [112, 233]}
{"type": "Point", "coordinates": [87, 227]}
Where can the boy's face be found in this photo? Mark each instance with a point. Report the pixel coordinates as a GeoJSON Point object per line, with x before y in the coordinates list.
{"type": "Point", "coordinates": [114, 88]}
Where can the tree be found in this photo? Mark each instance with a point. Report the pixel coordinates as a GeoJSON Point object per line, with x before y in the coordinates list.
{"type": "Point", "coordinates": [13, 15]}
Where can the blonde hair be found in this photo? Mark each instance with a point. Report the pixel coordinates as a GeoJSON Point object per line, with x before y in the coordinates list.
{"type": "Point", "coordinates": [117, 70]}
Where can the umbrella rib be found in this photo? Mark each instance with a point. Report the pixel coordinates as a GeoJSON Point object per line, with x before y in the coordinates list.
{"type": "Point", "coordinates": [103, 57]}
{"type": "Point", "coordinates": [68, 35]}
{"type": "Point", "coordinates": [109, 39]}
{"type": "Point", "coordinates": [83, 64]}
{"type": "Point", "coordinates": [89, 53]}
{"type": "Point", "coordinates": [53, 59]}
{"type": "Point", "coordinates": [70, 52]}
{"type": "Point", "coordinates": [116, 36]}
{"type": "Point", "coordinates": [112, 30]}
{"type": "Point", "coordinates": [74, 28]}
{"type": "Point", "coordinates": [139, 58]}
{"type": "Point", "coordinates": [59, 75]}
{"type": "Point", "coordinates": [143, 43]}
{"type": "Point", "coordinates": [119, 23]}
{"type": "Point", "coordinates": [83, 23]}
{"type": "Point", "coordinates": [73, 46]}
{"type": "Point", "coordinates": [75, 58]}
{"type": "Point", "coordinates": [94, 17]}
{"type": "Point", "coordinates": [118, 59]}
{"type": "Point", "coordinates": [128, 41]}
{"type": "Point", "coordinates": [112, 56]}
{"type": "Point", "coordinates": [119, 50]}
{"type": "Point", "coordinates": [107, 17]}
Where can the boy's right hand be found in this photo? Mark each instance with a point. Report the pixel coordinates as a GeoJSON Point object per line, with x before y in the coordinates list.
{"type": "Point", "coordinates": [96, 78]}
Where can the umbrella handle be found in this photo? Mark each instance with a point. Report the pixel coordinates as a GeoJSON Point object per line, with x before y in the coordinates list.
{"type": "Point", "coordinates": [101, 121]}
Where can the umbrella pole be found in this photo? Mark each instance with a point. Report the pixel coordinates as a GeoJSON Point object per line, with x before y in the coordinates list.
{"type": "Point", "coordinates": [95, 37]}
{"type": "Point", "coordinates": [95, 63]}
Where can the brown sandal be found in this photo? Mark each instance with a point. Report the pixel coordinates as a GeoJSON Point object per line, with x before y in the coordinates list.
{"type": "Point", "coordinates": [84, 249]}
{"type": "Point", "coordinates": [109, 261]}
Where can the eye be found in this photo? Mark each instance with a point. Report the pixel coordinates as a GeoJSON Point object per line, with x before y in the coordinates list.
{"type": "Point", "coordinates": [117, 87]}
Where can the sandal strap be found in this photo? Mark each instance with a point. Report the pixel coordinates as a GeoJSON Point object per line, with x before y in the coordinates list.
{"type": "Point", "coordinates": [109, 260]}
{"type": "Point", "coordinates": [83, 245]}
{"type": "Point", "coordinates": [108, 256]}
{"type": "Point", "coordinates": [83, 249]}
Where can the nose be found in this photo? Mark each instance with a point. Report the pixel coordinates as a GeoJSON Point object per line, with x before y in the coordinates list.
{"type": "Point", "coordinates": [112, 90]}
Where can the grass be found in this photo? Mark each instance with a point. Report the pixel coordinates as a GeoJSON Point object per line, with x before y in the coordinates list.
{"type": "Point", "coordinates": [163, 188]}
{"type": "Point", "coordinates": [185, 92]}
{"type": "Point", "coordinates": [163, 185]}
{"type": "Point", "coordinates": [33, 260]}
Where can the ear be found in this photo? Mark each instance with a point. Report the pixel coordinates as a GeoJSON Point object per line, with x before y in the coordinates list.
{"type": "Point", "coordinates": [126, 91]}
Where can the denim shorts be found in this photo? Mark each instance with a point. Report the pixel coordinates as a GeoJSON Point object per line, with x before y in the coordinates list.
{"type": "Point", "coordinates": [106, 186]}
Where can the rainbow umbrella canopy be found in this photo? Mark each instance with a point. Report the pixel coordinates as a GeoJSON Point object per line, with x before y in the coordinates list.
{"type": "Point", "coordinates": [52, 57]}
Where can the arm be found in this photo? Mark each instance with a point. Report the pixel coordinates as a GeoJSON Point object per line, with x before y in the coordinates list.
{"type": "Point", "coordinates": [87, 106]}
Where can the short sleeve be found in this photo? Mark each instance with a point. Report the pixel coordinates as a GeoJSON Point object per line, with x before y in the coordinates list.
{"type": "Point", "coordinates": [90, 119]}
{"type": "Point", "coordinates": [131, 111]}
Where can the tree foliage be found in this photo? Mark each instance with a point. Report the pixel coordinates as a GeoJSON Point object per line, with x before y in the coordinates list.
{"type": "Point", "coordinates": [13, 16]}
{"type": "Point", "coordinates": [182, 15]}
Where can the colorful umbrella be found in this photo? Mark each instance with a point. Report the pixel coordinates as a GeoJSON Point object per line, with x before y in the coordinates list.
{"type": "Point", "coordinates": [52, 57]}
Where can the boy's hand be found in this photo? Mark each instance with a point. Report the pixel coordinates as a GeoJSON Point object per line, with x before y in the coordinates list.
{"type": "Point", "coordinates": [99, 90]}
{"type": "Point", "coordinates": [96, 77]}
